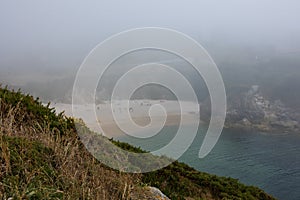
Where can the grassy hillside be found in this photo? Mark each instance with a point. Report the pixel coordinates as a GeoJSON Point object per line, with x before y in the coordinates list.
{"type": "Point", "coordinates": [41, 157]}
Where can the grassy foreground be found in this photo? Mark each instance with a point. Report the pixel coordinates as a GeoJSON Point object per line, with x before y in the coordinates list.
{"type": "Point", "coordinates": [41, 157]}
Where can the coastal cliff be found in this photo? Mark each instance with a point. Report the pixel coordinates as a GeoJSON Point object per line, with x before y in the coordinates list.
{"type": "Point", "coordinates": [250, 108]}
{"type": "Point", "coordinates": [43, 158]}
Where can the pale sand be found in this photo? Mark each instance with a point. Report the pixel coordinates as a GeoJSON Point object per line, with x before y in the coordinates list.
{"type": "Point", "coordinates": [104, 122]}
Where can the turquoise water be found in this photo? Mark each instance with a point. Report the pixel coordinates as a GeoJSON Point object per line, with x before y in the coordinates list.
{"type": "Point", "coordinates": [269, 161]}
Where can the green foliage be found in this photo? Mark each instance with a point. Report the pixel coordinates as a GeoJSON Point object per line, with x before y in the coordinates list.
{"type": "Point", "coordinates": [32, 110]}
{"type": "Point", "coordinates": [127, 146]}
{"type": "Point", "coordinates": [30, 170]}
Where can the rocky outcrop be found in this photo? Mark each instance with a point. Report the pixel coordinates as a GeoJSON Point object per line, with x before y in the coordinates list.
{"type": "Point", "coordinates": [251, 109]}
{"type": "Point", "coordinates": [157, 194]}
{"type": "Point", "coordinates": [148, 193]}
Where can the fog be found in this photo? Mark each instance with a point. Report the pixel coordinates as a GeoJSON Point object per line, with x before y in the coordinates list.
{"type": "Point", "coordinates": [43, 43]}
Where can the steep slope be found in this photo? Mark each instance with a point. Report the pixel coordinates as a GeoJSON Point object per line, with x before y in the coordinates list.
{"type": "Point", "coordinates": [43, 158]}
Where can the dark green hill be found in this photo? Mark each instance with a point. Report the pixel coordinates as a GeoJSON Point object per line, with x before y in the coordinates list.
{"type": "Point", "coordinates": [41, 157]}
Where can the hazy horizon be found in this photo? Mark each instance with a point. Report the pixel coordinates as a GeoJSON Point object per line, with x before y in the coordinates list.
{"type": "Point", "coordinates": [44, 43]}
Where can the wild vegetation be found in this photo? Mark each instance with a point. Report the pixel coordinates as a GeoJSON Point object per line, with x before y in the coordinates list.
{"type": "Point", "coordinates": [41, 157]}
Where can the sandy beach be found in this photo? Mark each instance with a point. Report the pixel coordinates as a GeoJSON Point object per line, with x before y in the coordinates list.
{"type": "Point", "coordinates": [100, 118]}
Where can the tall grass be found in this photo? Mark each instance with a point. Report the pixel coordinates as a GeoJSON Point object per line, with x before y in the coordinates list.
{"type": "Point", "coordinates": [26, 129]}
{"type": "Point", "coordinates": [43, 158]}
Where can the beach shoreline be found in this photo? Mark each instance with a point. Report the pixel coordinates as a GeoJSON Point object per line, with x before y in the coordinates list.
{"type": "Point", "coordinates": [99, 118]}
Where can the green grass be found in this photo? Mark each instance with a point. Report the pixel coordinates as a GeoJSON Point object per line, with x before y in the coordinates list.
{"type": "Point", "coordinates": [43, 158]}
{"type": "Point", "coordinates": [31, 172]}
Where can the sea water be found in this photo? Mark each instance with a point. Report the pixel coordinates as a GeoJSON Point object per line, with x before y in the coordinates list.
{"type": "Point", "coordinates": [269, 161]}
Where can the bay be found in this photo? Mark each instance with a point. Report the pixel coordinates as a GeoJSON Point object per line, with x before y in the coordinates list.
{"type": "Point", "coordinates": [269, 161]}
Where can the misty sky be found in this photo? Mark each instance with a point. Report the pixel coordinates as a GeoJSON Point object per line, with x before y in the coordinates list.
{"type": "Point", "coordinates": [54, 34]}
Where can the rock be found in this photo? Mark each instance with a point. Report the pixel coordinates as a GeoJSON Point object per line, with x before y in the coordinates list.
{"type": "Point", "coordinates": [249, 108]}
{"type": "Point", "coordinates": [157, 194]}
{"type": "Point", "coordinates": [246, 122]}
{"type": "Point", "coordinates": [148, 193]}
